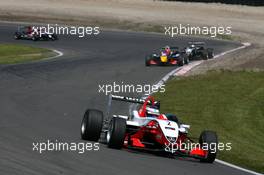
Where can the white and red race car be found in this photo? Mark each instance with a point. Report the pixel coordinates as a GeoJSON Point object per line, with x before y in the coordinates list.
{"type": "Point", "coordinates": [147, 129]}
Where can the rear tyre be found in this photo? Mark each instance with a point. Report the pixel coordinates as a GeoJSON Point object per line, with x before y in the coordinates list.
{"type": "Point", "coordinates": [147, 61]}
{"type": "Point", "coordinates": [92, 124]}
{"type": "Point", "coordinates": [116, 133]}
{"type": "Point", "coordinates": [210, 53]}
{"type": "Point", "coordinates": [181, 62]}
{"type": "Point", "coordinates": [186, 58]}
{"type": "Point", "coordinates": [210, 139]}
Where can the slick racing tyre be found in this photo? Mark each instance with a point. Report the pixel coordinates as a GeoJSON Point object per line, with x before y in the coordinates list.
{"type": "Point", "coordinates": [181, 62]}
{"type": "Point", "coordinates": [54, 37]}
{"type": "Point", "coordinates": [210, 139]}
{"type": "Point", "coordinates": [205, 56]}
{"type": "Point", "coordinates": [116, 133]}
{"type": "Point", "coordinates": [16, 37]}
{"type": "Point", "coordinates": [187, 60]}
{"type": "Point", "coordinates": [34, 38]}
{"type": "Point", "coordinates": [210, 53]}
{"type": "Point", "coordinates": [147, 60]}
{"type": "Point", "coordinates": [91, 126]}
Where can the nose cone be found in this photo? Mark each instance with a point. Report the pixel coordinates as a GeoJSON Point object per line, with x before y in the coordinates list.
{"type": "Point", "coordinates": [170, 129]}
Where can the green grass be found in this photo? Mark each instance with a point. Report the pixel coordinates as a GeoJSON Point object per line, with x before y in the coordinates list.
{"type": "Point", "coordinates": [231, 103]}
{"type": "Point", "coordinates": [14, 53]}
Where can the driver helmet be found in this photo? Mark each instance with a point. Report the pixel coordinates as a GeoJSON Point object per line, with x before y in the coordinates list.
{"type": "Point", "coordinates": [152, 112]}
{"type": "Point", "coordinates": [167, 48]}
{"type": "Point", "coordinates": [29, 29]}
{"type": "Point", "coordinates": [188, 50]}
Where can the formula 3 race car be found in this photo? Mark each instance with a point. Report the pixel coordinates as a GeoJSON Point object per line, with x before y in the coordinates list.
{"type": "Point", "coordinates": [147, 129]}
{"type": "Point", "coordinates": [167, 56]}
{"type": "Point", "coordinates": [29, 33]}
{"type": "Point", "coordinates": [197, 51]}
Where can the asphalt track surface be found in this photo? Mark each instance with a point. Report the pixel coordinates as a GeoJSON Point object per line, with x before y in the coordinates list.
{"type": "Point", "coordinates": [46, 100]}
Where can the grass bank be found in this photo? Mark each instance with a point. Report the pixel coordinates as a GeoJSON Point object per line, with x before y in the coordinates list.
{"type": "Point", "coordinates": [14, 53]}
{"type": "Point", "coordinates": [231, 103]}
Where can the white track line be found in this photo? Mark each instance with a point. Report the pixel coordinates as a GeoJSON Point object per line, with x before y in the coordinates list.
{"type": "Point", "coordinates": [56, 56]}
{"type": "Point", "coordinates": [59, 54]}
{"type": "Point", "coordinates": [237, 167]}
{"type": "Point", "coordinates": [183, 70]}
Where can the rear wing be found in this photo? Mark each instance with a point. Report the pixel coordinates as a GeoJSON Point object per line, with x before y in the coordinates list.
{"type": "Point", "coordinates": [196, 43]}
{"type": "Point", "coordinates": [128, 100]}
{"type": "Point", "coordinates": [172, 48]}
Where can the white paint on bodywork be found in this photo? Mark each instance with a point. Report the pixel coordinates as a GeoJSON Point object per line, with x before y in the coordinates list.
{"type": "Point", "coordinates": [169, 128]}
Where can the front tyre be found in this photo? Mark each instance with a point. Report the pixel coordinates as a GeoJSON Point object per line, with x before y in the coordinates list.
{"type": "Point", "coordinates": [16, 37]}
{"type": "Point", "coordinates": [116, 133]}
{"type": "Point", "coordinates": [92, 124]}
{"type": "Point", "coordinates": [209, 138]}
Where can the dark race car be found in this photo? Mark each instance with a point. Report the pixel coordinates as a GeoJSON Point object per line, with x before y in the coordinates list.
{"type": "Point", "coordinates": [197, 51]}
{"type": "Point", "coordinates": [167, 56]}
{"type": "Point", "coordinates": [29, 33]}
{"type": "Point", "coordinates": [147, 129]}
